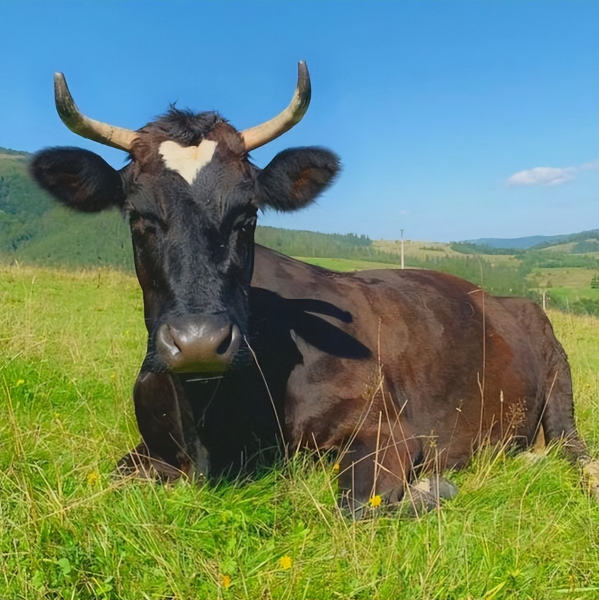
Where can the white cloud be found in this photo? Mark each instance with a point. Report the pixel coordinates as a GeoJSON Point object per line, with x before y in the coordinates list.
{"type": "Point", "coordinates": [546, 176]}
{"type": "Point", "coordinates": [549, 176]}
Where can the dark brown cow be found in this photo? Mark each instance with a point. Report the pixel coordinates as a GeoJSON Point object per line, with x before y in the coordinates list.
{"type": "Point", "coordinates": [250, 351]}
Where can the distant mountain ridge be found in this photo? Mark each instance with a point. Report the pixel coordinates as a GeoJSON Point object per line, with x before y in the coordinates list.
{"type": "Point", "coordinates": [524, 243]}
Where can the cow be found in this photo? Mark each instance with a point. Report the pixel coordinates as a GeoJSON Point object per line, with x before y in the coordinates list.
{"type": "Point", "coordinates": [251, 353]}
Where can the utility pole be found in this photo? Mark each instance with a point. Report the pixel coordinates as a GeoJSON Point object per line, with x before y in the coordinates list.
{"type": "Point", "coordinates": [402, 263]}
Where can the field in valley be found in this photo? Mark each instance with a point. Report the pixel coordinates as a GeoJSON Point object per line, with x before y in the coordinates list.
{"type": "Point", "coordinates": [566, 285]}
{"type": "Point", "coordinates": [72, 343]}
{"type": "Point", "coordinates": [346, 264]}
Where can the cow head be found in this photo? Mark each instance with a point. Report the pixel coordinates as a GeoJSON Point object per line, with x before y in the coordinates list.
{"type": "Point", "coordinates": [191, 196]}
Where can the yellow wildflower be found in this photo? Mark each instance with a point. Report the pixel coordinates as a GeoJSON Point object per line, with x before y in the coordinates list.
{"type": "Point", "coordinates": [20, 382]}
{"type": "Point", "coordinates": [336, 468]}
{"type": "Point", "coordinates": [93, 477]}
{"type": "Point", "coordinates": [375, 501]}
{"type": "Point", "coordinates": [226, 582]}
{"type": "Point", "coordinates": [112, 375]}
{"type": "Point", "coordinates": [285, 562]}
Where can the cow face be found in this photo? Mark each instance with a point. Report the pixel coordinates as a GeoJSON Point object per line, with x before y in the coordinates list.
{"type": "Point", "coordinates": [192, 197]}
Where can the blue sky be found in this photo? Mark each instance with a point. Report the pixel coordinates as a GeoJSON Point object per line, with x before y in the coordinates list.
{"type": "Point", "coordinates": [453, 120]}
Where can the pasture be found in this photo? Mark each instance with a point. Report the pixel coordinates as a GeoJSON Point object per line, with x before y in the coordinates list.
{"type": "Point", "coordinates": [72, 343]}
{"type": "Point", "coordinates": [564, 284]}
{"type": "Point", "coordinates": [345, 264]}
{"type": "Point", "coordinates": [418, 251]}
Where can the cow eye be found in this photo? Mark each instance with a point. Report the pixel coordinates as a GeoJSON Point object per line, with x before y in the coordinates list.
{"type": "Point", "coordinates": [134, 216]}
{"type": "Point", "coordinates": [148, 218]}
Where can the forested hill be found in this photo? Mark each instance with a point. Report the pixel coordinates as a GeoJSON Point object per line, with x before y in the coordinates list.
{"type": "Point", "coordinates": [574, 248]}
{"type": "Point", "coordinates": [521, 243]}
{"type": "Point", "coordinates": [538, 242]}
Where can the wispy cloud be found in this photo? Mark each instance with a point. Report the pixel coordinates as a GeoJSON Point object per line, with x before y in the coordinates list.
{"type": "Point", "coordinates": [590, 166]}
{"type": "Point", "coordinates": [548, 176]}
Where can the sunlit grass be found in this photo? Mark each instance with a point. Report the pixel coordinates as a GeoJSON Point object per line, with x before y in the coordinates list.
{"type": "Point", "coordinates": [565, 286]}
{"type": "Point", "coordinates": [345, 264]}
{"type": "Point", "coordinates": [71, 347]}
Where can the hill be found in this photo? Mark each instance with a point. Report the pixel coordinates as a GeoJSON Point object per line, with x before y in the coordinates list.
{"type": "Point", "coordinates": [535, 241]}
{"type": "Point", "coordinates": [578, 243]}
{"type": "Point", "coordinates": [521, 243]}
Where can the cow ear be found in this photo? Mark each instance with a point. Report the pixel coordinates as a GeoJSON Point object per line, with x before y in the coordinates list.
{"type": "Point", "coordinates": [78, 178]}
{"type": "Point", "coordinates": [295, 177]}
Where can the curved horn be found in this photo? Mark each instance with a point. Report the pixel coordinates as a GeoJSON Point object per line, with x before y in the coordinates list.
{"type": "Point", "coordinates": [78, 123]}
{"type": "Point", "coordinates": [266, 132]}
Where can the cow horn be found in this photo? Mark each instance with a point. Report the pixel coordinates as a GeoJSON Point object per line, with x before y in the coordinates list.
{"type": "Point", "coordinates": [266, 132]}
{"type": "Point", "coordinates": [78, 123]}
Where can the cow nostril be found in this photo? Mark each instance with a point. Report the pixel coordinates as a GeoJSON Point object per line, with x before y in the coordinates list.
{"type": "Point", "coordinates": [226, 343]}
{"type": "Point", "coordinates": [167, 340]}
{"type": "Point", "coordinates": [175, 347]}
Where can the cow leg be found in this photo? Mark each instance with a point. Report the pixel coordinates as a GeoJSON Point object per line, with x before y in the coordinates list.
{"type": "Point", "coordinates": [426, 494]}
{"type": "Point", "coordinates": [558, 420]}
{"type": "Point", "coordinates": [170, 446]}
{"type": "Point", "coordinates": [377, 467]}
{"type": "Point", "coordinates": [557, 413]}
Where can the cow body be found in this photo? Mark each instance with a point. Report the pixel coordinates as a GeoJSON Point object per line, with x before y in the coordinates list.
{"type": "Point", "coordinates": [399, 371]}
{"type": "Point", "coordinates": [250, 352]}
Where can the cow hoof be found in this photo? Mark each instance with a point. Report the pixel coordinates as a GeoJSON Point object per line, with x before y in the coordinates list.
{"type": "Point", "coordinates": [426, 495]}
{"type": "Point", "coordinates": [350, 507]}
{"type": "Point", "coordinates": [136, 464]}
{"type": "Point", "coordinates": [535, 456]}
{"type": "Point", "coordinates": [590, 477]}
{"type": "Point", "coordinates": [418, 499]}
{"type": "Point", "coordinates": [139, 464]}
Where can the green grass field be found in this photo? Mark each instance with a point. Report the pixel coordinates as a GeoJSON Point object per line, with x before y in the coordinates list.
{"type": "Point", "coordinates": [71, 347]}
{"type": "Point", "coordinates": [564, 282]}
{"type": "Point", "coordinates": [567, 288]}
{"type": "Point", "coordinates": [345, 264]}
{"type": "Point", "coordinates": [417, 250]}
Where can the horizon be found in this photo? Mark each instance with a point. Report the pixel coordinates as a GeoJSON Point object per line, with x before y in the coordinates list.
{"type": "Point", "coordinates": [453, 121]}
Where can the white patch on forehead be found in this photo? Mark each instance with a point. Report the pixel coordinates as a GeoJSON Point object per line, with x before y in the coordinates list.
{"type": "Point", "coordinates": [187, 161]}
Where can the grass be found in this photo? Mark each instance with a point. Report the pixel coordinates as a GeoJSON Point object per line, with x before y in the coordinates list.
{"type": "Point", "coordinates": [416, 249]}
{"type": "Point", "coordinates": [564, 277]}
{"type": "Point", "coordinates": [71, 347]}
{"type": "Point", "coordinates": [422, 250]}
{"type": "Point", "coordinates": [345, 264]}
{"type": "Point", "coordinates": [566, 282]}
{"type": "Point", "coordinates": [350, 264]}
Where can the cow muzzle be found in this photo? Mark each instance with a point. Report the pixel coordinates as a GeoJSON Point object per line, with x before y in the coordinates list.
{"type": "Point", "coordinates": [198, 344]}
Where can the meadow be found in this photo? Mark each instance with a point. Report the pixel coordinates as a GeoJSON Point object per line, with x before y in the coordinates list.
{"type": "Point", "coordinates": [72, 342]}
{"type": "Point", "coordinates": [566, 284]}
